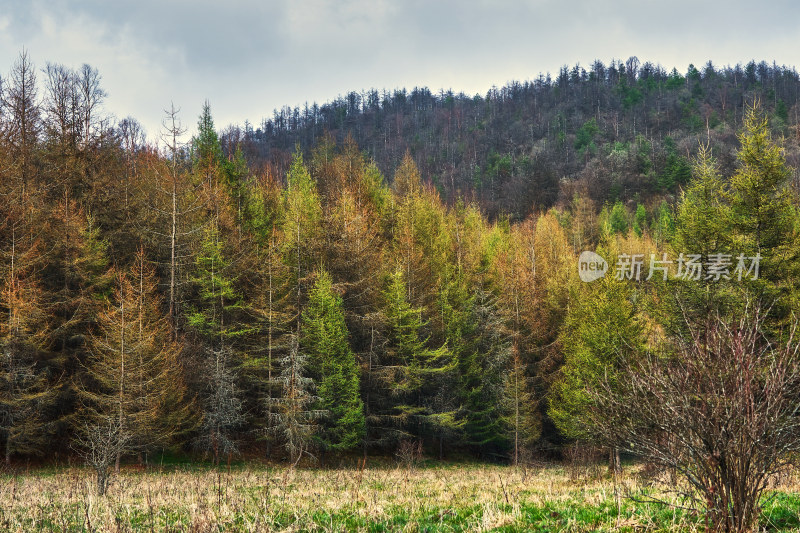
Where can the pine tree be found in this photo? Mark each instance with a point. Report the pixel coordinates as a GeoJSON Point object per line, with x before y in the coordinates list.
{"type": "Point", "coordinates": [324, 338]}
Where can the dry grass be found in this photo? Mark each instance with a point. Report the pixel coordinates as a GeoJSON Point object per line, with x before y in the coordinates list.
{"type": "Point", "coordinates": [439, 498]}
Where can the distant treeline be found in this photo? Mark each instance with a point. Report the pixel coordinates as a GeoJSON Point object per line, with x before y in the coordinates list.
{"type": "Point", "coordinates": [619, 131]}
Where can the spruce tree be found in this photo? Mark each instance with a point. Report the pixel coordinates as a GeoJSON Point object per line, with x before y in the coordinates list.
{"type": "Point", "coordinates": [763, 213]}
{"type": "Point", "coordinates": [410, 368]}
{"type": "Point", "coordinates": [602, 328]}
{"type": "Point", "coordinates": [217, 321]}
{"type": "Point", "coordinates": [483, 368]}
{"type": "Point", "coordinates": [324, 338]}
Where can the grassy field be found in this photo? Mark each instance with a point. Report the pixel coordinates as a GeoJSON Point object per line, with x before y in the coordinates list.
{"type": "Point", "coordinates": [463, 497]}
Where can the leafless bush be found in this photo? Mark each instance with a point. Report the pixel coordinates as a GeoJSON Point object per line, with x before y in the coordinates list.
{"type": "Point", "coordinates": [100, 443]}
{"type": "Point", "coordinates": [584, 461]}
{"type": "Point", "coordinates": [720, 407]}
{"type": "Point", "coordinates": [409, 453]}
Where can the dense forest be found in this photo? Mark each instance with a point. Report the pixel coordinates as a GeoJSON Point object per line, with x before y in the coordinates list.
{"type": "Point", "coordinates": [383, 273]}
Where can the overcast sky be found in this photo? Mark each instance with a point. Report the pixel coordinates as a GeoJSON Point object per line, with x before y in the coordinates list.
{"type": "Point", "coordinates": [248, 57]}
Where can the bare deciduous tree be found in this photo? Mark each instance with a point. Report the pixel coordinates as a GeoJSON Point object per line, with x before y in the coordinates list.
{"type": "Point", "coordinates": [22, 126]}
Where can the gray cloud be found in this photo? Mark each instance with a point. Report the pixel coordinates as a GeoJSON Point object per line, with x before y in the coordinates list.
{"type": "Point", "coordinates": [248, 57]}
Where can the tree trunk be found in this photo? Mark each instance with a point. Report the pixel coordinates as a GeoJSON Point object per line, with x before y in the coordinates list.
{"type": "Point", "coordinates": [614, 464]}
{"type": "Point", "coordinates": [102, 480]}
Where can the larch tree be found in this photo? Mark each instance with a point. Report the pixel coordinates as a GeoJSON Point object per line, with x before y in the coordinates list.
{"type": "Point", "coordinates": [75, 277]}
{"type": "Point", "coordinates": [176, 207]}
{"type": "Point", "coordinates": [133, 380]}
{"type": "Point", "coordinates": [26, 388]}
{"type": "Point", "coordinates": [302, 215]}
{"type": "Point", "coordinates": [354, 254]}
{"type": "Point", "coordinates": [408, 191]}
{"type": "Point", "coordinates": [272, 301]}
{"type": "Point", "coordinates": [521, 418]}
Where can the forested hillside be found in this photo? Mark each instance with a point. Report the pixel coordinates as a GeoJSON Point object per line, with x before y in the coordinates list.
{"type": "Point", "coordinates": [622, 131]}
{"type": "Point", "coordinates": [374, 275]}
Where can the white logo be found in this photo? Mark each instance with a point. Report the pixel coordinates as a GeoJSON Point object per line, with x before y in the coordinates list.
{"type": "Point", "coordinates": [591, 266]}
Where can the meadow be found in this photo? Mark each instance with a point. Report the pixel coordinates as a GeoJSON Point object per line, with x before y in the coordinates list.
{"type": "Point", "coordinates": [383, 497]}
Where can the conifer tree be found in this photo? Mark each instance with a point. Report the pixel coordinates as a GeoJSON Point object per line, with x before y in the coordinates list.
{"type": "Point", "coordinates": [483, 366]}
{"type": "Point", "coordinates": [75, 277]}
{"type": "Point", "coordinates": [217, 321]}
{"type": "Point", "coordinates": [21, 129]}
{"type": "Point", "coordinates": [521, 417]}
{"type": "Point", "coordinates": [292, 417]}
{"type": "Point", "coordinates": [206, 149]}
{"type": "Point", "coordinates": [409, 368]}
{"type": "Point", "coordinates": [133, 379]}
{"type": "Point", "coordinates": [174, 206]}
{"type": "Point", "coordinates": [702, 228]}
{"type": "Point", "coordinates": [762, 214]}
{"type": "Point", "coordinates": [602, 328]}
{"type": "Point", "coordinates": [302, 214]}
{"type": "Point", "coordinates": [26, 388]}
{"type": "Point", "coordinates": [324, 338]}
{"type": "Point", "coordinates": [408, 189]}
{"type": "Point", "coordinates": [272, 302]}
